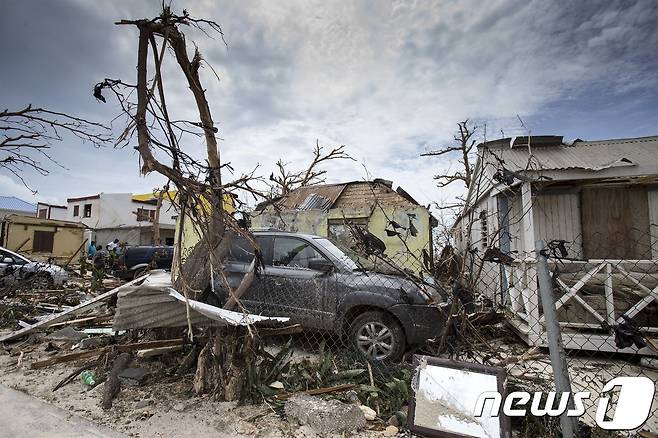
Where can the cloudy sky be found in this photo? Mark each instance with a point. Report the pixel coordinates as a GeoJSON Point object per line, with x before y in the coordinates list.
{"type": "Point", "coordinates": [389, 79]}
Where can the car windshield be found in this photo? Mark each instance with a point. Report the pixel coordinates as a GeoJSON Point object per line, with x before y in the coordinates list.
{"type": "Point", "coordinates": [18, 259]}
{"type": "Point", "coordinates": [337, 253]}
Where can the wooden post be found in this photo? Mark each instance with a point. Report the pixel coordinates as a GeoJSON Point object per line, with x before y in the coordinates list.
{"type": "Point", "coordinates": [529, 291]}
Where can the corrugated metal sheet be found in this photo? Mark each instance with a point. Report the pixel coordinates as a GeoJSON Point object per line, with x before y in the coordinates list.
{"type": "Point", "coordinates": [297, 197]}
{"type": "Point", "coordinates": [15, 204]}
{"type": "Point", "coordinates": [315, 202]}
{"type": "Point", "coordinates": [588, 155]}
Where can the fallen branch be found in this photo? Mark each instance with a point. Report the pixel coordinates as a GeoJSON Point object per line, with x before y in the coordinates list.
{"type": "Point", "coordinates": [112, 384]}
{"type": "Point", "coordinates": [73, 375]}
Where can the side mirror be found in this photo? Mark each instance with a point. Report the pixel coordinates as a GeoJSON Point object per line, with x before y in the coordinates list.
{"type": "Point", "coordinates": [8, 260]}
{"type": "Point", "coordinates": [322, 265]}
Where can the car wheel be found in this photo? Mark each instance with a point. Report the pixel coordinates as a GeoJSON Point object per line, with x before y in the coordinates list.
{"type": "Point", "coordinates": [139, 272]}
{"type": "Point", "coordinates": [377, 336]}
{"type": "Point", "coordinates": [41, 282]}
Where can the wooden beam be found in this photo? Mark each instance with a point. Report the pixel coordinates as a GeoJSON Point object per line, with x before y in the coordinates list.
{"type": "Point", "coordinates": [126, 348]}
{"type": "Point", "coordinates": [150, 352]}
{"type": "Point", "coordinates": [63, 316]}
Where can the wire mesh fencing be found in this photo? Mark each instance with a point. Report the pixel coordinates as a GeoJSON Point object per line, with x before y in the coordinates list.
{"type": "Point", "coordinates": [358, 315]}
{"type": "Point", "coordinates": [607, 310]}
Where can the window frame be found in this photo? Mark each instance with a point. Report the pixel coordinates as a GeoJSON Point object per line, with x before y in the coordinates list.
{"type": "Point", "coordinates": [84, 210]}
{"type": "Point", "coordinates": [76, 211]}
{"type": "Point", "coordinates": [314, 247]}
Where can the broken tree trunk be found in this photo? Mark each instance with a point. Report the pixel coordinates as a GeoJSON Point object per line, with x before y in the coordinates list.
{"type": "Point", "coordinates": [223, 361]}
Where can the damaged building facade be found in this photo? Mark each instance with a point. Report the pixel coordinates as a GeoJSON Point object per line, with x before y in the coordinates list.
{"type": "Point", "coordinates": [333, 210]}
{"type": "Point", "coordinates": [597, 202]}
{"type": "Point", "coordinates": [124, 216]}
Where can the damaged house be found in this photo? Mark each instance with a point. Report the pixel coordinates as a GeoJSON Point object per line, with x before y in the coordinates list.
{"type": "Point", "coordinates": [601, 199]}
{"type": "Point", "coordinates": [332, 210]}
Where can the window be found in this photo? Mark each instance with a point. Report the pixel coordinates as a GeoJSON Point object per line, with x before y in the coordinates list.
{"type": "Point", "coordinates": [43, 241]}
{"type": "Point", "coordinates": [145, 215]}
{"type": "Point", "coordinates": [87, 211]}
{"type": "Point", "coordinates": [340, 230]}
{"type": "Point", "coordinates": [169, 241]}
{"type": "Point", "coordinates": [76, 210]}
{"type": "Point", "coordinates": [43, 213]}
{"type": "Point", "coordinates": [293, 252]}
{"type": "Point", "coordinates": [242, 251]}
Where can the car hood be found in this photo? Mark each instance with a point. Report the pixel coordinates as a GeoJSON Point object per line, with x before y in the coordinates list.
{"type": "Point", "coordinates": [393, 284]}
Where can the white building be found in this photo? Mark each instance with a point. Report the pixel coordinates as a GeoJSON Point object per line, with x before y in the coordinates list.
{"type": "Point", "coordinates": [123, 216]}
{"type": "Point", "coordinates": [600, 198]}
{"type": "Point", "coordinates": [51, 211]}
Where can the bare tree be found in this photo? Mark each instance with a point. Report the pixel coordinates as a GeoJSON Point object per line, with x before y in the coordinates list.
{"type": "Point", "coordinates": [199, 184]}
{"type": "Point", "coordinates": [464, 143]}
{"type": "Point", "coordinates": [286, 180]}
{"type": "Point", "coordinates": [27, 134]}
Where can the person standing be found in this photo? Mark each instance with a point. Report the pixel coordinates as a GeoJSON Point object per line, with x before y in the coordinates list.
{"type": "Point", "coordinates": [91, 251]}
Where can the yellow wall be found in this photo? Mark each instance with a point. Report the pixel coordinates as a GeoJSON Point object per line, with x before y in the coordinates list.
{"type": "Point", "coordinates": [66, 240]}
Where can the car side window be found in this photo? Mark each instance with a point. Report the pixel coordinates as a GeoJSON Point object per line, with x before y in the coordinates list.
{"type": "Point", "coordinates": [241, 250]}
{"type": "Point", "coordinates": [294, 253]}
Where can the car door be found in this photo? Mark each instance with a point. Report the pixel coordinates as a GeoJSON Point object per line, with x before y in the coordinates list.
{"type": "Point", "coordinates": [237, 264]}
{"type": "Point", "coordinates": [295, 290]}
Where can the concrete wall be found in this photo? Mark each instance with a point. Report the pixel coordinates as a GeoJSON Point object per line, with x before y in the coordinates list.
{"type": "Point", "coordinates": [66, 241]}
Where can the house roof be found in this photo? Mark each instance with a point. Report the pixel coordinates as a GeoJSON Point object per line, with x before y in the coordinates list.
{"type": "Point", "coordinates": [344, 195]}
{"type": "Point", "coordinates": [32, 220]}
{"type": "Point", "coordinates": [553, 159]}
{"type": "Point", "coordinates": [586, 155]}
{"type": "Point", "coordinates": [16, 204]}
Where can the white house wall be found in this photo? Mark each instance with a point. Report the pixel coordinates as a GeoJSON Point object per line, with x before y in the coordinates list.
{"type": "Point", "coordinates": [557, 217]}
{"type": "Point", "coordinates": [653, 220]}
{"type": "Point", "coordinates": [114, 210]}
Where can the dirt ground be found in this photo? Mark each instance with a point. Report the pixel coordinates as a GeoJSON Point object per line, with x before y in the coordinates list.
{"type": "Point", "coordinates": [158, 408]}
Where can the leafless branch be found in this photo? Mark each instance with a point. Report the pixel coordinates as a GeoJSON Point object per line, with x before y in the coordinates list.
{"type": "Point", "coordinates": [286, 180]}
{"type": "Point", "coordinates": [26, 135]}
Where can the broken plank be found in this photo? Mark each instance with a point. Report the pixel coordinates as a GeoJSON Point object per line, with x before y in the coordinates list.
{"type": "Point", "coordinates": [158, 351]}
{"type": "Point", "coordinates": [91, 353]}
{"type": "Point", "coordinates": [63, 316]}
{"type": "Point", "coordinates": [288, 330]}
{"type": "Point", "coordinates": [81, 320]}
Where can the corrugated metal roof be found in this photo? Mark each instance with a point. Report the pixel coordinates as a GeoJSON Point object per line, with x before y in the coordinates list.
{"type": "Point", "coordinates": [315, 202]}
{"type": "Point", "coordinates": [588, 155]}
{"type": "Point", "coordinates": [16, 204]}
{"type": "Point", "coordinates": [297, 197]}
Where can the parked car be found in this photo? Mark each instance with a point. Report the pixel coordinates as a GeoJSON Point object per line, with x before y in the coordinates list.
{"type": "Point", "coordinates": [136, 260]}
{"type": "Point", "coordinates": [317, 285]}
{"type": "Point", "coordinates": [40, 275]}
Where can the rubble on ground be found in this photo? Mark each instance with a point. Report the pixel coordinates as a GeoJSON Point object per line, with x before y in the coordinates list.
{"type": "Point", "coordinates": [325, 417]}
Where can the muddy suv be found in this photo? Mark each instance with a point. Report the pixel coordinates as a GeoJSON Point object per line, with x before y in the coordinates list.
{"type": "Point", "coordinates": [317, 285]}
